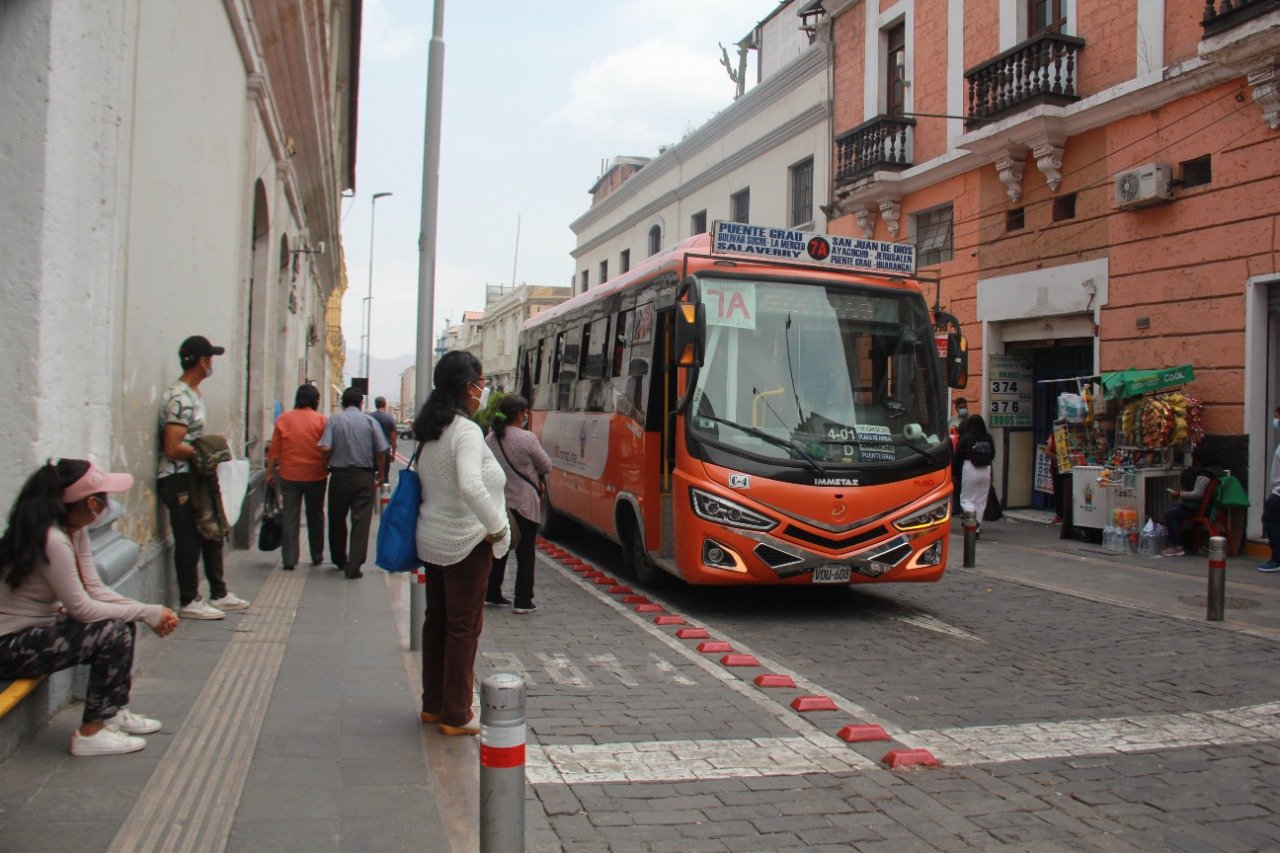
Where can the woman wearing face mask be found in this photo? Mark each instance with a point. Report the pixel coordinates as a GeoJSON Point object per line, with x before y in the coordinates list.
{"type": "Point", "coordinates": [55, 612]}
{"type": "Point", "coordinates": [523, 461]}
{"type": "Point", "coordinates": [462, 527]}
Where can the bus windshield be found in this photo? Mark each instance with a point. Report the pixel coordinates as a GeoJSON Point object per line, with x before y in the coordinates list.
{"type": "Point", "coordinates": [825, 376]}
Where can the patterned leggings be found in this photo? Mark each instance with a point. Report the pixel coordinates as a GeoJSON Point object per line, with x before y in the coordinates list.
{"type": "Point", "coordinates": [106, 646]}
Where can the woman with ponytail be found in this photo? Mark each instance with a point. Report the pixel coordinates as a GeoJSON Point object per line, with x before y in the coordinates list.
{"type": "Point", "coordinates": [55, 612]}
{"type": "Point", "coordinates": [462, 527]}
{"type": "Point", "coordinates": [524, 462]}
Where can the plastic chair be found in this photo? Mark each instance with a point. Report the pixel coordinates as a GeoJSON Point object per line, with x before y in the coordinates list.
{"type": "Point", "coordinates": [1210, 520]}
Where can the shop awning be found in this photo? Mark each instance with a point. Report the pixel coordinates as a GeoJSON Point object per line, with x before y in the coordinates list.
{"type": "Point", "coordinates": [1131, 383]}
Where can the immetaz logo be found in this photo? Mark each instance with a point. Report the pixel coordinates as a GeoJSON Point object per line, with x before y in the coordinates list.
{"type": "Point", "coordinates": [834, 481]}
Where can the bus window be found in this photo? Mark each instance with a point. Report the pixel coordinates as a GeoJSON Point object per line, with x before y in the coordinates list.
{"type": "Point", "coordinates": [537, 365]}
{"type": "Point", "coordinates": [584, 351]}
{"type": "Point", "coordinates": [619, 341]}
{"type": "Point", "coordinates": [595, 343]}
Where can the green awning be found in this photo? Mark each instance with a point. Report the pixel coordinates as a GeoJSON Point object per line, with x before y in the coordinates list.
{"type": "Point", "coordinates": [1131, 383]}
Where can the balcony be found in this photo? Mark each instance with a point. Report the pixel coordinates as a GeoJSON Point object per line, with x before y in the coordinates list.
{"type": "Point", "coordinates": [1041, 70]}
{"type": "Point", "coordinates": [881, 144]}
{"type": "Point", "coordinates": [1222, 15]}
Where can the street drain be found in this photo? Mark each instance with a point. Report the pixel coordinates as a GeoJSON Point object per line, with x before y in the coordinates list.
{"type": "Point", "coordinates": [1231, 603]}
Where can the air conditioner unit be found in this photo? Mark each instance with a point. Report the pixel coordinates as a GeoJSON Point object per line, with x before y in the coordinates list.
{"type": "Point", "coordinates": [1149, 184]}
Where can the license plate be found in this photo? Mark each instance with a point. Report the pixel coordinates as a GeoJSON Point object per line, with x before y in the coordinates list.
{"type": "Point", "coordinates": [831, 574]}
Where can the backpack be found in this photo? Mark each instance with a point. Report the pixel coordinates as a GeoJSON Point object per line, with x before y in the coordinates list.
{"type": "Point", "coordinates": [982, 453]}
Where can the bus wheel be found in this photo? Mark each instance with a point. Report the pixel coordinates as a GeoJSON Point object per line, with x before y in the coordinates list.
{"type": "Point", "coordinates": [552, 523]}
{"type": "Point", "coordinates": [637, 559]}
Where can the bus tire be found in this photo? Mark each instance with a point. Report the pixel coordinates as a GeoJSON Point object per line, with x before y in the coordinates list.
{"type": "Point", "coordinates": [551, 523]}
{"type": "Point", "coordinates": [636, 558]}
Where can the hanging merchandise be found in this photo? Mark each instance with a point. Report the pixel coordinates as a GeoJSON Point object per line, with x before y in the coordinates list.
{"type": "Point", "coordinates": [1166, 420]}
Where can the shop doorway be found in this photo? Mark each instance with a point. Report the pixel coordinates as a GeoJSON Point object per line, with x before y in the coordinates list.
{"type": "Point", "coordinates": [1063, 359]}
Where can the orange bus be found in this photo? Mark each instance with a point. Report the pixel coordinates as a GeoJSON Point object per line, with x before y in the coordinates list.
{"type": "Point", "coordinates": [751, 407]}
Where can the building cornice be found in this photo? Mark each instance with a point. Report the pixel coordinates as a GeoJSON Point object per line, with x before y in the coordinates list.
{"type": "Point", "coordinates": [796, 126]}
{"type": "Point", "coordinates": [776, 88]}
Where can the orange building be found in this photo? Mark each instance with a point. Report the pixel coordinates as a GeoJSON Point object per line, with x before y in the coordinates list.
{"type": "Point", "coordinates": [1096, 184]}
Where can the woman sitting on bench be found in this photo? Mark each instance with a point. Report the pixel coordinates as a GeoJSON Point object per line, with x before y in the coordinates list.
{"type": "Point", "coordinates": [55, 612]}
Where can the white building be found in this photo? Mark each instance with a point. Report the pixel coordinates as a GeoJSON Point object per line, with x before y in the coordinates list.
{"type": "Point", "coordinates": [408, 406]}
{"type": "Point", "coordinates": [756, 161]}
{"type": "Point", "coordinates": [500, 332]}
{"type": "Point", "coordinates": [167, 169]}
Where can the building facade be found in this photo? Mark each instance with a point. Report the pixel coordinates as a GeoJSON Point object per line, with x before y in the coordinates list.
{"type": "Point", "coordinates": [1092, 182]}
{"type": "Point", "coordinates": [756, 161]}
{"type": "Point", "coordinates": [504, 317]}
{"type": "Point", "coordinates": [167, 170]}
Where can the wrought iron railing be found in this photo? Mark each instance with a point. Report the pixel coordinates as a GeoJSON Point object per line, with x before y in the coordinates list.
{"type": "Point", "coordinates": [1220, 15]}
{"type": "Point", "coordinates": [1043, 69]}
{"type": "Point", "coordinates": [884, 142]}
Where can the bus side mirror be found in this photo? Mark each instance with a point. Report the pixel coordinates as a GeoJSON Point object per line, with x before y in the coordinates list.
{"type": "Point", "coordinates": [691, 324]}
{"type": "Point", "coordinates": [957, 361]}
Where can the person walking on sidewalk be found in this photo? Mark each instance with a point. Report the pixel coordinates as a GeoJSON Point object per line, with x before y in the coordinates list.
{"type": "Point", "coordinates": [55, 612]}
{"type": "Point", "coordinates": [388, 424]}
{"type": "Point", "coordinates": [976, 450]}
{"type": "Point", "coordinates": [182, 423]}
{"type": "Point", "coordinates": [462, 527]}
{"type": "Point", "coordinates": [1271, 507]}
{"type": "Point", "coordinates": [295, 456]}
{"type": "Point", "coordinates": [524, 462]}
{"type": "Point", "coordinates": [355, 448]}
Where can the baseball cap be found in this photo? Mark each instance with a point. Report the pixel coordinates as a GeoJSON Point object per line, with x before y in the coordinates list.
{"type": "Point", "coordinates": [96, 480]}
{"type": "Point", "coordinates": [198, 346]}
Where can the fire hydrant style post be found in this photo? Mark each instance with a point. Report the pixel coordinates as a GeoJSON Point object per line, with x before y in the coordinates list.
{"type": "Point", "coordinates": [970, 522]}
{"type": "Point", "coordinates": [502, 781]}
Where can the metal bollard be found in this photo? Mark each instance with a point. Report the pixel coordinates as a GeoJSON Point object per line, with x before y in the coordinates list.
{"type": "Point", "coordinates": [970, 522]}
{"type": "Point", "coordinates": [502, 737]}
{"type": "Point", "coordinates": [1217, 578]}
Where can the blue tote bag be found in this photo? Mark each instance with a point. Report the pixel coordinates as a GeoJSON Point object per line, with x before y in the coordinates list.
{"type": "Point", "coordinates": [397, 549]}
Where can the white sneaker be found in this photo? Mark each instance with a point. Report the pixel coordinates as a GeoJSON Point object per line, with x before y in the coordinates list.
{"type": "Point", "coordinates": [108, 741]}
{"type": "Point", "coordinates": [135, 724]}
{"type": "Point", "coordinates": [199, 609]}
{"type": "Point", "coordinates": [229, 602]}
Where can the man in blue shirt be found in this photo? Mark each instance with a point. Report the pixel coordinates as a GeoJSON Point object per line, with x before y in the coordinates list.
{"type": "Point", "coordinates": [388, 424]}
{"type": "Point", "coordinates": [356, 451]}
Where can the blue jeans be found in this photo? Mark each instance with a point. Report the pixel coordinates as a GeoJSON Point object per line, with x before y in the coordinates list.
{"type": "Point", "coordinates": [1174, 515]}
{"type": "Point", "coordinates": [1271, 524]}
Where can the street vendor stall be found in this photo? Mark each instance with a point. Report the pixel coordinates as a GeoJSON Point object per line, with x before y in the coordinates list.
{"type": "Point", "coordinates": [1129, 431]}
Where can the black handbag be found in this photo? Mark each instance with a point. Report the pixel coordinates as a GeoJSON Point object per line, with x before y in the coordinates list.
{"type": "Point", "coordinates": [271, 531]}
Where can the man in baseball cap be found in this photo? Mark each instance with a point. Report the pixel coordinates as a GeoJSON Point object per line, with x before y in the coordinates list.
{"type": "Point", "coordinates": [195, 348]}
{"type": "Point", "coordinates": [181, 423]}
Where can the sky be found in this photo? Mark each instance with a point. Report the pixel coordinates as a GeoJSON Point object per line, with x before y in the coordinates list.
{"type": "Point", "coordinates": [536, 96]}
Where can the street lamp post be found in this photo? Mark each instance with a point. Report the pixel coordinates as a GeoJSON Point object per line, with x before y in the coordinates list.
{"type": "Point", "coordinates": [368, 300]}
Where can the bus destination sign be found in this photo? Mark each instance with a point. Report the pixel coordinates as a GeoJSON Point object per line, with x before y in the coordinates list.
{"type": "Point", "coordinates": [809, 248]}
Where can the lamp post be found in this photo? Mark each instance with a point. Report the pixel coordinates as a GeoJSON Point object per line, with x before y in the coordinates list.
{"type": "Point", "coordinates": [368, 300]}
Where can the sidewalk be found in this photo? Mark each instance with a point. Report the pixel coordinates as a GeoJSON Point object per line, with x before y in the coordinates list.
{"type": "Point", "coordinates": [291, 726]}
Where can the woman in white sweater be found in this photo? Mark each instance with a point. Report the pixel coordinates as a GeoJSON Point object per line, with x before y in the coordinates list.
{"type": "Point", "coordinates": [462, 526]}
{"type": "Point", "coordinates": [55, 612]}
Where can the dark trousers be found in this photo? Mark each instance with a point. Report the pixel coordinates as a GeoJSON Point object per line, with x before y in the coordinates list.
{"type": "Point", "coordinates": [526, 553]}
{"type": "Point", "coordinates": [350, 491]}
{"type": "Point", "coordinates": [188, 545]}
{"type": "Point", "coordinates": [451, 634]}
{"type": "Point", "coordinates": [292, 494]}
{"type": "Point", "coordinates": [1271, 524]}
{"type": "Point", "coordinates": [1174, 516]}
{"type": "Point", "coordinates": [106, 646]}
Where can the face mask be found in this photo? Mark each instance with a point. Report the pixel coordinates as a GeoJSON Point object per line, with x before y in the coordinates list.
{"type": "Point", "coordinates": [964, 413]}
{"type": "Point", "coordinates": [1275, 423]}
{"type": "Point", "coordinates": [484, 398]}
{"type": "Point", "coordinates": [209, 370]}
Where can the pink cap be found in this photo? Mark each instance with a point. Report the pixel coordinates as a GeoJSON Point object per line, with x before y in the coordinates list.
{"type": "Point", "coordinates": [96, 480]}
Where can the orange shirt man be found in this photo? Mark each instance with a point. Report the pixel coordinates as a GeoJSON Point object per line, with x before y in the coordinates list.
{"type": "Point", "coordinates": [295, 456]}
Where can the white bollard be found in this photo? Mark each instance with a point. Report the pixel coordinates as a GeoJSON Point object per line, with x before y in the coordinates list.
{"type": "Point", "coordinates": [502, 782]}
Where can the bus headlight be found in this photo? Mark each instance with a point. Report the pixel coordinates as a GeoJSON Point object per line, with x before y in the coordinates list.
{"type": "Point", "coordinates": [934, 513]}
{"type": "Point", "coordinates": [714, 508]}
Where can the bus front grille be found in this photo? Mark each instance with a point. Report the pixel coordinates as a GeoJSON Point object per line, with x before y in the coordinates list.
{"type": "Point", "coordinates": [834, 544]}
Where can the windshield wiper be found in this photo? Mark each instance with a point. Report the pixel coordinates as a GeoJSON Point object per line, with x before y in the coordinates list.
{"type": "Point", "coordinates": [784, 443]}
